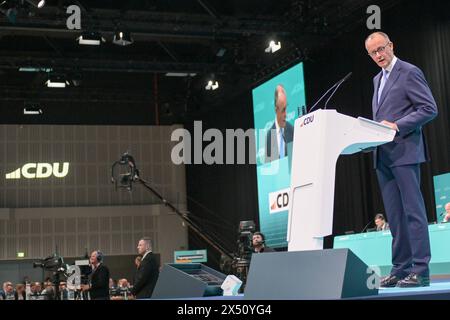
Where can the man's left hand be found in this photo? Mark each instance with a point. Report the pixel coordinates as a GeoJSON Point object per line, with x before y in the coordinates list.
{"type": "Point", "coordinates": [393, 125]}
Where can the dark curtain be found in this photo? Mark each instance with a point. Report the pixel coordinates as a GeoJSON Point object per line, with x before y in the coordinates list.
{"type": "Point", "coordinates": [220, 196]}
{"type": "Point", "coordinates": [420, 31]}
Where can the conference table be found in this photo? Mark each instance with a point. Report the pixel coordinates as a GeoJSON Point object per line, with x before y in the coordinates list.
{"type": "Point", "coordinates": [375, 248]}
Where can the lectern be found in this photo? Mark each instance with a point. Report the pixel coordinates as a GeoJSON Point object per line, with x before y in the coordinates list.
{"type": "Point", "coordinates": [319, 138]}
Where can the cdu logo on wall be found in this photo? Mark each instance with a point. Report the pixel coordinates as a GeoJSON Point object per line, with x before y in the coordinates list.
{"type": "Point", "coordinates": [39, 171]}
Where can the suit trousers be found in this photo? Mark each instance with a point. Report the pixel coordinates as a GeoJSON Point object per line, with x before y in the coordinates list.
{"type": "Point", "coordinates": [405, 210]}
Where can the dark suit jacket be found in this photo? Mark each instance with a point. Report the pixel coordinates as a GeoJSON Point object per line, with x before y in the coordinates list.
{"type": "Point", "coordinates": [146, 277]}
{"type": "Point", "coordinates": [406, 100]}
{"type": "Point", "coordinates": [272, 146]}
{"type": "Point", "coordinates": [100, 283]}
{"type": "Point", "coordinates": [265, 249]}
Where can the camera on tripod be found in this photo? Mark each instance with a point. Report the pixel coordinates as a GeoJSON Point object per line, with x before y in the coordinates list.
{"type": "Point", "coordinates": [245, 248]}
{"type": "Point", "coordinates": [53, 263]}
{"type": "Point", "coordinates": [241, 262]}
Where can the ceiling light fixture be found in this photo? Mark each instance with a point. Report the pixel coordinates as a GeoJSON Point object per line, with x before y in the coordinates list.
{"type": "Point", "coordinates": [90, 39]}
{"type": "Point", "coordinates": [212, 85]}
{"type": "Point", "coordinates": [122, 38]}
{"type": "Point", "coordinates": [57, 81]}
{"type": "Point", "coordinates": [180, 74]}
{"type": "Point", "coordinates": [37, 3]}
{"type": "Point", "coordinates": [273, 47]}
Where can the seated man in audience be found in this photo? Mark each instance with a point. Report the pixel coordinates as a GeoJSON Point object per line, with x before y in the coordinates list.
{"type": "Point", "coordinates": [8, 291]}
{"type": "Point", "coordinates": [20, 293]}
{"type": "Point", "coordinates": [63, 291]}
{"type": "Point", "coordinates": [35, 289]}
{"type": "Point", "coordinates": [381, 223]}
{"type": "Point", "coordinates": [48, 293]}
{"type": "Point", "coordinates": [123, 284]}
{"type": "Point", "coordinates": [123, 290]}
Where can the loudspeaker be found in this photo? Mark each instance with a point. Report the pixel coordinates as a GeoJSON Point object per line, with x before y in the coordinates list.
{"type": "Point", "coordinates": [317, 274]}
{"type": "Point", "coordinates": [187, 280]}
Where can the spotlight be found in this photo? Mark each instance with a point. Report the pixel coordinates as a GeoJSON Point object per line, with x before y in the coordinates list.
{"type": "Point", "coordinates": [212, 85]}
{"type": "Point", "coordinates": [35, 69]}
{"type": "Point", "coordinates": [273, 47]}
{"type": "Point", "coordinates": [180, 74]}
{"type": "Point", "coordinates": [90, 38]}
{"type": "Point", "coordinates": [122, 38]}
{"type": "Point", "coordinates": [57, 81]}
{"type": "Point", "coordinates": [32, 109]}
{"type": "Point", "coordinates": [221, 52]}
{"type": "Point", "coordinates": [37, 3]}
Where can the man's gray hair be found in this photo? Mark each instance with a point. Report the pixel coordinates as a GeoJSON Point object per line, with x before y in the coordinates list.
{"type": "Point", "coordinates": [148, 241]}
{"type": "Point", "coordinates": [380, 33]}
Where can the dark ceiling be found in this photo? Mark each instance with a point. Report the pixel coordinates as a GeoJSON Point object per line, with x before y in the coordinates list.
{"type": "Point", "coordinates": [169, 36]}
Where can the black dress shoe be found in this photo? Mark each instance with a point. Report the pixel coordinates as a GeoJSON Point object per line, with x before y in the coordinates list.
{"type": "Point", "coordinates": [389, 282]}
{"type": "Point", "coordinates": [413, 281]}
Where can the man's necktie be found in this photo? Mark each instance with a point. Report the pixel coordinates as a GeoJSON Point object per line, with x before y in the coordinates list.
{"type": "Point", "coordinates": [382, 84]}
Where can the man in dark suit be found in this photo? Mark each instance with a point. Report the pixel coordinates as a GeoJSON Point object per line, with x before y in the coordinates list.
{"type": "Point", "coordinates": [147, 272]}
{"type": "Point", "coordinates": [99, 284]}
{"type": "Point", "coordinates": [403, 101]}
{"type": "Point", "coordinates": [281, 133]}
{"type": "Point", "coordinates": [380, 222]}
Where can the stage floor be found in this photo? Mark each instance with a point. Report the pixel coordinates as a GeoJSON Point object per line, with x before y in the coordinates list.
{"type": "Point", "coordinates": [439, 289]}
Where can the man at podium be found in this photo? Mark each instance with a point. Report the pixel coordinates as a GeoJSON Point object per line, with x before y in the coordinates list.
{"type": "Point", "coordinates": [403, 101]}
{"type": "Point", "coordinates": [281, 132]}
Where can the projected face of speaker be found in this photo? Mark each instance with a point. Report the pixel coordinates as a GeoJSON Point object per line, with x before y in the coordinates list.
{"type": "Point", "coordinates": [280, 107]}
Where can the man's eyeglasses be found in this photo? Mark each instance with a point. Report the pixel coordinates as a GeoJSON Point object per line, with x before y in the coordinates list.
{"type": "Point", "coordinates": [380, 50]}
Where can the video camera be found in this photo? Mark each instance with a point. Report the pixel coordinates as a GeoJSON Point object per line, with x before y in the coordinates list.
{"type": "Point", "coordinates": [245, 248]}
{"type": "Point", "coordinates": [53, 263]}
{"type": "Point", "coordinates": [241, 261]}
{"type": "Point", "coordinates": [124, 172]}
{"type": "Point", "coordinates": [85, 269]}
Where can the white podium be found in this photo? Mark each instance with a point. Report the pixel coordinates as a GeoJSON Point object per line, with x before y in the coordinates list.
{"type": "Point", "coordinates": [319, 138]}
